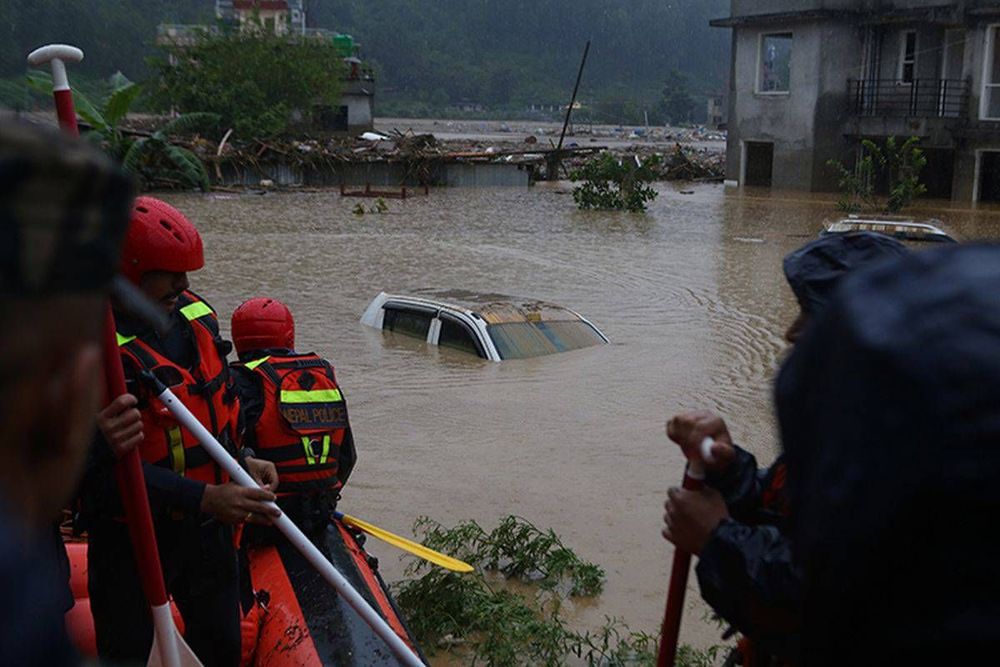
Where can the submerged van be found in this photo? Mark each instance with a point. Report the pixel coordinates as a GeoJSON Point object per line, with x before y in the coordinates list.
{"type": "Point", "coordinates": [491, 326]}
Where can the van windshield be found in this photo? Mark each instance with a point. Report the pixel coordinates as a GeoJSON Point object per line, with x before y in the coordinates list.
{"type": "Point", "coordinates": [520, 340]}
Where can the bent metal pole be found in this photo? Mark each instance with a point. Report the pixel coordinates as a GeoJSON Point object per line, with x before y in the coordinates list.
{"type": "Point", "coordinates": [694, 480]}
{"type": "Point", "coordinates": [305, 546]}
{"type": "Point", "coordinates": [169, 650]}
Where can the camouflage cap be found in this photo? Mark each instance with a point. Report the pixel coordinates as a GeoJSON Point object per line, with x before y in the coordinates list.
{"type": "Point", "coordinates": [64, 209]}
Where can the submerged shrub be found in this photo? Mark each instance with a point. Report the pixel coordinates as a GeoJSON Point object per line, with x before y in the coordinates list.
{"type": "Point", "coordinates": [495, 624]}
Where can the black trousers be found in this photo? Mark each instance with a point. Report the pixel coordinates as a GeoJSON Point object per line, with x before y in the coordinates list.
{"type": "Point", "coordinates": [201, 572]}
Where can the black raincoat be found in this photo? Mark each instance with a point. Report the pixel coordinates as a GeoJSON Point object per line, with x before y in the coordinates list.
{"type": "Point", "coordinates": [889, 409]}
{"type": "Point", "coordinates": [747, 572]}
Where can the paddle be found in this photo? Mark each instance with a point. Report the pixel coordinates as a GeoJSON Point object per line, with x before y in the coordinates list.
{"type": "Point", "coordinates": [169, 649]}
{"type": "Point", "coordinates": [305, 546]}
{"type": "Point", "coordinates": [410, 546]}
{"type": "Point", "coordinates": [694, 480]}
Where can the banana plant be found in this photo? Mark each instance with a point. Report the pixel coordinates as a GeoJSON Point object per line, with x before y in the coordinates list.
{"type": "Point", "coordinates": [153, 159]}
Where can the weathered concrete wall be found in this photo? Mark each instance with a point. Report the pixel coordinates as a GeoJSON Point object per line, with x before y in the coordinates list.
{"type": "Point", "coordinates": [840, 46]}
{"type": "Point", "coordinates": [983, 135]}
{"type": "Point", "coordinates": [379, 174]}
{"type": "Point", "coordinates": [359, 113]}
{"type": "Point", "coordinates": [784, 119]}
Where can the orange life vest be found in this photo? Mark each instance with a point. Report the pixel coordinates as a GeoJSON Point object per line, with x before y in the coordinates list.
{"type": "Point", "coordinates": [303, 422]}
{"type": "Point", "coordinates": [204, 389]}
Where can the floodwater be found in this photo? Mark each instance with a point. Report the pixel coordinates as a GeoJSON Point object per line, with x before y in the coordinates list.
{"type": "Point", "coordinates": [691, 295]}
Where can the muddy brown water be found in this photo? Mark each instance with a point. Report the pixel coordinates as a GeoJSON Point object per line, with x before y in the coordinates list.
{"type": "Point", "coordinates": [691, 295]}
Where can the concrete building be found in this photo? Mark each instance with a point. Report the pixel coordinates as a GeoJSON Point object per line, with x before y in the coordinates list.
{"type": "Point", "coordinates": [715, 110]}
{"type": "Point", "coordinates": [811, 78]}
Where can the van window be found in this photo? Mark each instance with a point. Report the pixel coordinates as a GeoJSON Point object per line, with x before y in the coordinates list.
{"type": "Point", "coordinates": [409, 322]}
{"type": "Point", "coordinates": [520, 340]}
{"type": "Point", "coordinates": [457, 336]}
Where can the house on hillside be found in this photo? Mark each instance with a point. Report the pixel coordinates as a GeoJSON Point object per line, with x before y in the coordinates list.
{"type": "Point", "coordinates": [355, 113]}
{"type": "Point", "coordinates": [278, 16]}
{"type": "Point", "coordinates": [811, 78]}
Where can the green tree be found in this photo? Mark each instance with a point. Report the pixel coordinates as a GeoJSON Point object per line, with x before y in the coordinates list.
{"type": "Point", "coordinates": [676, 103]}
{"type": "Point", "coordinates": [610, 183]}
{"type": "Point", "coordinates": [254, 80]}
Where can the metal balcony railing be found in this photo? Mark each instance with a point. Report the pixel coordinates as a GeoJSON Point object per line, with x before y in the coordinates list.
{"type": "Point", "coordinates": [921, 98]}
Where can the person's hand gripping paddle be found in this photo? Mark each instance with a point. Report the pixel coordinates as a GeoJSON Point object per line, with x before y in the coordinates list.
{"type": "Point", "coordinates": [694, 480]}
{"type": "Point", "coordinates": [169, 648]}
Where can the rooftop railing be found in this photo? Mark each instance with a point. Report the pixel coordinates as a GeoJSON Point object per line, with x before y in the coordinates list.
{"type": "Point", "coordinates": [920, 98]}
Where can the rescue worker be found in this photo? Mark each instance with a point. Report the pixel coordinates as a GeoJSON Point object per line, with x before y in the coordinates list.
{"type": "Point", "coordinates": [194, 504]}
{"type": "Point", "coordinates": [738, 524]}
{"type": "Point", "coordinates": [63, 213]}
{"type": "Point", "coordinates": [295, 413]}
{"type": "Point", "coordinates": [894, 463]}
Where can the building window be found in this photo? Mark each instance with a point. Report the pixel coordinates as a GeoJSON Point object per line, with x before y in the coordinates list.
{"type": "Point", "coordinates": [908, 57]}
{"type": "Point", "coordinates": [990, 100]}
{"type": "Point", "coordinates": [774, 73]}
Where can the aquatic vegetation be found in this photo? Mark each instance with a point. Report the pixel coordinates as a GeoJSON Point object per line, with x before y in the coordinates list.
{"type": "Point", "coordinates": [378, 208]}
{"type": "Point", "coordinates": [898, 164]}
{"type": "Point", "coordinates": [490, 622]}
{"type": "Point", "coordinates": [615, 184]}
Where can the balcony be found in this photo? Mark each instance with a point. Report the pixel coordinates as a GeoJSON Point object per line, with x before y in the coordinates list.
{"type": "Point", "coordinates": [922, 98]}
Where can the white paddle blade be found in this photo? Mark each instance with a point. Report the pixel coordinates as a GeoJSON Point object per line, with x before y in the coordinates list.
{"type": "Point", "coordinates": [169, 648]}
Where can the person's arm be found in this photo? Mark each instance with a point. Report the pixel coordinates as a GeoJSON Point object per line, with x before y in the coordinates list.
{"type": "Point", "coordinates": [250, 393]}
{"type": "Point", "coordinates": [740, 484]}
{"type": "Point", "coordinates": [749, 577]}
{"type": "Point", "coordinates": [347, 457]}
{"type": "Point", "coordinates": [729, 469]}
{"type": "Point", "coordinates": [167, 488]}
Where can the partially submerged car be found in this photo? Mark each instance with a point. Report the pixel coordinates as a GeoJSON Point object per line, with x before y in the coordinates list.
{"type": "Point", "coordinates": [904, 229]}
{"type": "Point", "coordinates": [491, 326]}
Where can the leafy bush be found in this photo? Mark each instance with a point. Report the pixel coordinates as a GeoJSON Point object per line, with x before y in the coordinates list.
{"type": "Point", "coordinates": [610, 183]}
{"type": "Point", "coordinates": [897, 164]}
{"type": "Point", "coordinates": [492, 623]}
{"type": "Point", "coordinates": [253, 79]}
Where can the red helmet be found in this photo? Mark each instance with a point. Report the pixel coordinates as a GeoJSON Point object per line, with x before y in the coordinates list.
{"type": "Point", "coordinates": [262, 323]}
{"type": "Point", "coordinates": [159, 238]}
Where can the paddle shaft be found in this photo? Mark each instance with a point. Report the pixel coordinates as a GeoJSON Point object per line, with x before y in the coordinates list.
{"type": "Point", "coordinates": [305, 546]}
{"type": "Point", "coordinates": [128, 470]}
{"type": "Point", "coordinates": [409, 546]}
{"type": "Point", "coordinates": [694, 480]}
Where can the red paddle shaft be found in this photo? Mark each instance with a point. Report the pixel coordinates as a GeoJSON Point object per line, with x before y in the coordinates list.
{"type": "Point", "coordinates": [694, 480]}
{"type": "Point", "coordinates": [128, 471]}
{"type": "Point", "coordinates": [131, 483]}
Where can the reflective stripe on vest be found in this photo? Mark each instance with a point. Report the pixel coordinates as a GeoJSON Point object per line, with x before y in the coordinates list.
{"type": "Point", "coordinates": [175, 444]}
{"type": "Point", "coordinates": [307, 444]}
{"type": "Point", "coordinates": [316, 396]}
{"type": "Point", "coordinates": [254, 364]}
{"type": "Point", "coordinates": [193, 311]}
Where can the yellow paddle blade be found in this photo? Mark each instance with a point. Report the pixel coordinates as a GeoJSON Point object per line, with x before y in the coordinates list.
{"type": "Point", "coordinates": [430, 555]}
